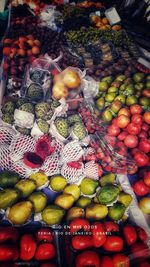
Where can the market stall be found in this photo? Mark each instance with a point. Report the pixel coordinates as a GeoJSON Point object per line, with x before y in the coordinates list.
{"type": "Point", "coordinates": [74, 139]}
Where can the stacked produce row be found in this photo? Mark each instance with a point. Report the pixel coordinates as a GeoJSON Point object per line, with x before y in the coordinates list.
{"type": "Point", "coordinates": [74, 140]}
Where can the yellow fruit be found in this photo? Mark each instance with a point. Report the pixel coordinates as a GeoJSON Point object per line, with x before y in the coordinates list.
{"type": "Point", "coordinates": [71, 79]}
{"type": "Point", "coordinates": [59, 91]}
{"type": "Point", "coordinates": [105, 21]}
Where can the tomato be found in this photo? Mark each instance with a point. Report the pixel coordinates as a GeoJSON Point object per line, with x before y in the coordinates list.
{"type": "Point", "coordinates": [142, 234]}
{"type": "Point", "coordinates": [45, 251]}
{"type": "Point", "coordinates": [122, 135]}
{"type": "Point", "coordinates": [130, 234]}
{"type": "Point", "coordinates": [8, 252]}
{"type": "Point", "coordinates": [81, 242]}
{"type": "Point", "coordinates": [121, 260]}
{"type": "Point", "coordinates": [143, 134]}
{"type": "Point", "coordinates": [113, 243]}
{"type": "Point", "coordinates": [137, 119]}
{"type": "Point", "coordinates": [124, 111]}
{"type": "Point", "coordinates": [106, 262]}
{"type": "Point", "coordinates": [87, 259]}
{"type": "Point", "coordinates": [135, 109]}
{"type": "Point", "coordinates": [144, 145]}
{"type": "Point", "coordinates": [27, 247]}
{"type": "Point", "coordinates": [8, 233]}
{"type": "Point", "coordinates": [131, 141]}
{"type": "Point", "coordinates": [141, 158]}
{"type": "Point", "coordinates": [146, 92]}
{"type": "Point", "coordinates": [140, 188]}
{"type": "Point", "coordinates": [113, 130]}
{"type": "Point", "coordinates": [133, 128]}
{"type": "Point", "coordinates": [147, 178]}
{"type": "Point", "coordinates": [44, 234]}
{"type": "Point", "coordinates": [145, 127]}
{"type": "Point", "coordinates": [98, 234]}
{"type": "Point", "coordinates": [111, 226]}
{"type": "Point", "coordinates": [78, 224]}
{"type": "Point", "coordinates": [122, 121]}
{"type": "Point", "coordinates": [146, 117]}
{"type": "Point", "coordinates": [140, 250]}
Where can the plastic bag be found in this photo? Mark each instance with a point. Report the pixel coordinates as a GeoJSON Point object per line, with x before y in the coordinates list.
{"type": "Point", "coordinates": [38, 78]}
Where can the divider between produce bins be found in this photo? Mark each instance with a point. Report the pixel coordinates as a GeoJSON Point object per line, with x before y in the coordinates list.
{"type": "Point", "coordinates": [136, 215]}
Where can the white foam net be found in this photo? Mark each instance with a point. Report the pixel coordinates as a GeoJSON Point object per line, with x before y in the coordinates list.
{"type": "Point", "coordinates": [23, 170]}
{"type": "Point", "coordinates": [5, 160]}
{"type": "Point", "coordinates": [71, 152]}
{"type": "Point", "coordinates": [51, 165]}
{"type": "Point", "coordinates": [91, 170]}
{"type": "Point", "coordinates": [72, 175]}
{"type": "Point", "coordinates": [6, 135]}
{"type": "Point", "coordinates": [58, 145]}
{"type": "Point", "coordinates": [21, 144]}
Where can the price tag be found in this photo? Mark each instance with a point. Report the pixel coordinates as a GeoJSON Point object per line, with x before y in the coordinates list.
{"type": "Point", "coordinates": [112, 15]}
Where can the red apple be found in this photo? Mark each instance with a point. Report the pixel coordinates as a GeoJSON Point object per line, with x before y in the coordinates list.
{"type": "Point", "coordinates": [131, 141]}
{"type": "Point", "coordinates": [147, 178]}
{"type": "Point", "coordinates": [123, 121]}
{"type": "Point", "coordinates": [124, 111]}
{"type": "Point", "coordinates": [140, 188]}
{"type": "Point", "coordinates": [135, 109]}
{"type": "Point", "coordinates": [133, 128]}
{"type": "Point", "coordinates": [122, 135]}
{"type": "Point", "coordinates": [137, 118]}
{"type": "Point", "coordinates": [113, 130]}
{"type": "Point", "coordinates": [141, 158]}
{"type": "Point", "coordinates": [144, 145]}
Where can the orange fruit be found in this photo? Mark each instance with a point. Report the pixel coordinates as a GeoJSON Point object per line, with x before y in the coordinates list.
{"type": "Point", "coordinates": [104, 27]}
{"type": "Point", "coordinates": [99, 24]}
{"type": "Point", "coordinates": [35, 50]}
{"type": "Point", "coordinates": [30, 42]}
{"type": "Point", "coordinates": [105, 21]}
{"type": "Point", "coordinates": [37, 42]}
{"type": "Point", "coordinates": [21, 52]}
{"type": "Point", "coordinates": [95, 18]}
{"type": "Point", "coordinates": [6, 51]}
{"type": "Point", "coordinates": [116, 28]}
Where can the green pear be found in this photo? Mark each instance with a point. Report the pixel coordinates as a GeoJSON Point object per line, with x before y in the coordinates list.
{"type": "Point", "coordinates": [121, 98]}
{"type": "Point", "coordinates": [122, 87]}
{"type": "Point", "coordinates": [88, 186]}
{"type": "Point", "coordinates": [107, 179]}
{"type": "Point", "coordinates": [100, 103]}
{"type": "Point", "coordinates": [19, 213]}
{"type": "Point", "coordinates": [103, 86]}
{"type": "Point", "coordinates": [120, 78]}
{"type": "Point", "coordinates": [8, 197]}
{"type": "Point", "coordinates": [107, 79]}
{"type": "Point", "coordinates": [96, 212]}
{"type": "Point", "coordinates": [58, 183]}
{"type": "Point", "coordinates": [75, 212]}
{"type": "Point", "coordinates": [39, 201]}
{"type": "Point", "coordinates": [110, 97]}
{"type": "Point", "coordinates": [112, 89]}
{"type": "Point", "coordinates": [138, 77]}
{"type": "Point", "coordinates": [131, 100]}
{"type": "Point", "coordinates": [65, 201]}
{"type": "Point", "coordinates": [39, 178]}
{"type": "Point", "coordinates": [107, 115]}
{"type": "Point", "coordinates": [108, 193]}
{"type": "Point", "coordinates": [26, 186]}
{"type": "Point", "coordinates": [74, 190]}
{"type": "Point", "coordinates": [53, 214]}
{"type": "Point", "coordinates": [8, 179]}
{"type": "Point", "coordinates": [83, 202]}
{"type": "Point", "coordinates": [125, 199]}
{"type": "Point", "coordinates": [117, 211]}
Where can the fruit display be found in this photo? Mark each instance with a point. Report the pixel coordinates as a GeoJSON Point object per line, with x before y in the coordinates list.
{"type": "Point", "coordinates": [91, 199]}
{"type": "Point", "coordinates": [127, 88]}
{"type": "Point", "coordinates": [22, 247]}
{"type": "Point", "coordinates": [141, 188]}
{"type": "Point", "coordinates": [103, 23]}
{"type": "Point", "coordinates": [74, 140]}
{"type": "Point", "coordinates": [100, 243]}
